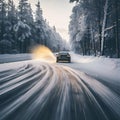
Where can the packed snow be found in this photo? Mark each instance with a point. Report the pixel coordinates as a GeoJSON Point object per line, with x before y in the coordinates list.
{"type": "Point", "coordinates": [88, 88]}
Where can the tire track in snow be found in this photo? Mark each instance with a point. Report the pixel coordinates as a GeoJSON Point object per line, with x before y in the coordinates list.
{"type": "Point", "coordinates": [55, 92]}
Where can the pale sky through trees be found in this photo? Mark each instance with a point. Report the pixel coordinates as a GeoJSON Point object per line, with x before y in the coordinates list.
{"type": "Point", "coordinates": [56, 12]}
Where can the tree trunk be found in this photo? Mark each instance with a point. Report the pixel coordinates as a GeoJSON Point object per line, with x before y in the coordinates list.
{"type": "Point", "coordinates": [117, 30]}
{"type": "Point", "coordinates": [99, 24]}
{"type": "Point", "coordinates": [103, 27]}
{"type": "Point", "coordinates": [93, 41]}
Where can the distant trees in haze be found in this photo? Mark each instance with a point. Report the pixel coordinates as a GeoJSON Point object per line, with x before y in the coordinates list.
{"type": "Point", "coordinates": [95, 27]}
{"type": "Point", "coordinates": [20, 30]}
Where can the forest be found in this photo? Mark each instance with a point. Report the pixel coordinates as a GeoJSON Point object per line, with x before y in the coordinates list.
{"type": "Point", "coordinates": [95, 27]}
{"type": "Point", "coordinates": [20, 29]}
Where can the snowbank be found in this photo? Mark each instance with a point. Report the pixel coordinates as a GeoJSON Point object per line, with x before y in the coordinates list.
{"type": "Point", "coordinates": [5, 58]}
{"type": "Point", "coordinates": [107, 68]}
{"type": "Point", "coordinates": [99, 67]}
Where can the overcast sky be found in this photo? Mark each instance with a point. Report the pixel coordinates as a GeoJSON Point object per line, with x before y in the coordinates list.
{"type": "Point", "coordinates": [56, 12]}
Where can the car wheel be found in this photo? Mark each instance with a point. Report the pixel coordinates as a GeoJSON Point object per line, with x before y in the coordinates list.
{"type": "Point", "coordinates": [57, 60]}
{"type": "Point", "coordinates": [69, 60]}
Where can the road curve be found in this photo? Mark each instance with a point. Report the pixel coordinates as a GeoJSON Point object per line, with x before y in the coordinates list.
{"type": "Point", "coordinates": [55, 92]}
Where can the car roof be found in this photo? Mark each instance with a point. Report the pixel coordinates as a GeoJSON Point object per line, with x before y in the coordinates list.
{"type": "Point", "coordinates": [63, 53]}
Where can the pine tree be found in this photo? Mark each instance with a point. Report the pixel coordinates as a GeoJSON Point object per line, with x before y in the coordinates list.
{"type": "Point", "coordinates": [39, 25]}
{"type": "Point", "coordinates": [19, 31]}
{"type": "Point", "coordinates": [23, 10]}
{"type": "Point", "coordinates": [12, 20]}
{"type": "Point", "coordinates": [5, 44]}
{"type": "Point", "coordinates": [2, 18]}
{"type": "Point", "coordinates": [104, 17]}
{"type": "Point", "coordinates": [38, 15]}
{"type": "Point", "coordinates": [30, 19]}
{"type": "Point", "coordinates": [22, 28]}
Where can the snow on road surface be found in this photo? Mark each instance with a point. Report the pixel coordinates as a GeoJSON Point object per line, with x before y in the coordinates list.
{"type": "Point", "coordinates": [35, 90]}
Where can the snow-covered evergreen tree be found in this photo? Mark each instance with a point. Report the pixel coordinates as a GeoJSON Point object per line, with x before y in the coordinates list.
{"type": "Point", "coordinates": [102, 19]}
{"type": "Point", "coordinates": [19, 31]}
{"type": "Point", "coordinates": [23, 10]}
{"type": "Point", "coordinates": [5, 43]}
{"type": "Point", "coordinates": [23, 34]}
{"type": "Point", "coordinates": [2, 18]}
{"type": "Point", "coordinates": [39, 25]}
{"type": "Point", "coordinates": [38, 15]}
{"type": "Point", "coordinates": [29, 18]}
{"type": "Point", "coordinates": [77, 27]}
{"type": "Point", "coordinates": [22, 28]}
{"type": "Point", "coordinates": [46, 35]}
{"type": "Point", "coordinates": [11, 21]}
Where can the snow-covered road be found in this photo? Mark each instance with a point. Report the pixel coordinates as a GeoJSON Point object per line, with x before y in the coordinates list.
{"type": "Point", "coordinates": [34, 90]}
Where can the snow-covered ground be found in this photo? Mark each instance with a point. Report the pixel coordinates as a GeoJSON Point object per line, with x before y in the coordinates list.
{"type": "Point", "coordinates": [4, 58]}
{"type": "Point", "coordinates": [96, 66]}
{"type": "Point", "coordinates": [106, 68]}
{"type": "Point", "coordinates": [88, 88]}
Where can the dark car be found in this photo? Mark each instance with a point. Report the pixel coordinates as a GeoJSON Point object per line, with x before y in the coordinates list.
{"type": "Point", "coordinates": [63, 57]}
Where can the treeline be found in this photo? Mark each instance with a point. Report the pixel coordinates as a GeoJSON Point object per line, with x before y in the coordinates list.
{"type": "Point", "coordinates": [95, 27]}
{"type": "Point", "coordinates": [20, 30]}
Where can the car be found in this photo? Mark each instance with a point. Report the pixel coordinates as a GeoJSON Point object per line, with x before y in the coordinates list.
{"type": "Point", "coordinates": [63, 57]}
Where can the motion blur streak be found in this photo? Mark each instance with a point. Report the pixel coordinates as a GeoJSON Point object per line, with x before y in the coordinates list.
{"type": "Point", "coordinates": [43, 53]}
{"type": "Point", "coordinates": [42, 91]}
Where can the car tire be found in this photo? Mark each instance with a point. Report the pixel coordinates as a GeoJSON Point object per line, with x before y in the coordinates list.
{"type": "Point", "coordinates": [57, 60]}
{"type": "Point", "coordinates": [69, 60]}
